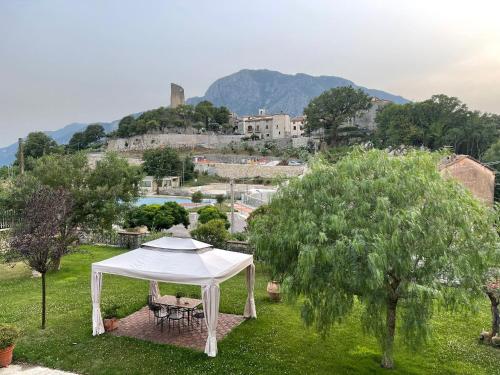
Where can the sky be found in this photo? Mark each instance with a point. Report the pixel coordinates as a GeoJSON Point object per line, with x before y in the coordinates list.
{"type": "Point", "coordinates": [98, 60]}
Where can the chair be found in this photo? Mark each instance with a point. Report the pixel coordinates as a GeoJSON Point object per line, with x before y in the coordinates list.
{"type": "Point", "coordinates": [176, 314]}
{"type": "Point", "coordinates": [159, 312]}
{"type": "Point", "coordinates": [199, 315]}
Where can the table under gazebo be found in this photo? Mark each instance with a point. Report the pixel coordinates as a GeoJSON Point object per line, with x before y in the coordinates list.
{"type": "Point", "coordinates": [180, 261]}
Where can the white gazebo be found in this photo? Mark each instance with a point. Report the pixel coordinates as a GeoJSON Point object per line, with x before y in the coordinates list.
{"type": "Point", "coordinates": [181, 261]}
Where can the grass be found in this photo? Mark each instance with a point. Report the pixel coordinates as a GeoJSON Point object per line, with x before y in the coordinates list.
{"type": "Point", "coordinates": [275, 343]}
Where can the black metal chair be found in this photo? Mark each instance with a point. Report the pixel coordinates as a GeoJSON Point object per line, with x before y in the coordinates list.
{"type": "Point", "coordinates": [176, 314]}
{"type": "Point", "coordinates": [199, 316]}
{"type": "Point", "coordinates": [159, 312]}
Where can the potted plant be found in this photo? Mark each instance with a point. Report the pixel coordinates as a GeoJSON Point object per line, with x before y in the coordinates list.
{"type": "Point", "coordinates": [274, 290]}
{"type": "Point", "coordinates": [110, 319]}
{"type": "Point", "coordinates": [8, 337]}
{"type": "Point", "coordinates": [178, 296]}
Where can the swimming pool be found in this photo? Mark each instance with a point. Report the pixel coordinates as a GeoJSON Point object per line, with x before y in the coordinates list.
{"type": "Point", "coordinates": [161, 200]}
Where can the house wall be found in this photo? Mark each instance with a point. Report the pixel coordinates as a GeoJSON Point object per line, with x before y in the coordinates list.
{"type": "Point", "coordinates": [475, 177]}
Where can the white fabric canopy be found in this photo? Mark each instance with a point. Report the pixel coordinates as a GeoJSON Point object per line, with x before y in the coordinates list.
{"type": "Point", "coordinates": [181, 261]}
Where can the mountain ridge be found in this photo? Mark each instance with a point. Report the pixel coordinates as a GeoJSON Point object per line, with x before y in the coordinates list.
{"type": "Point", "coordinates": [248, 90]}
{"type": "Point", "coordinates": [243, 92]}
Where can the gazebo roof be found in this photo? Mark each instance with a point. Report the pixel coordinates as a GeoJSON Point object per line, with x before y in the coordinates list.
{"type": "Point", "coordinates": [176, 260]}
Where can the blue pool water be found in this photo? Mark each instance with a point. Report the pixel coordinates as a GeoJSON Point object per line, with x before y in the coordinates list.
{"type": "Point", "coordinates": [161, 200]}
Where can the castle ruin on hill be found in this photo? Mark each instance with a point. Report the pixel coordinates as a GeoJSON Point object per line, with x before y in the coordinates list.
{"type": "Point", "coordinates": [176, 95]}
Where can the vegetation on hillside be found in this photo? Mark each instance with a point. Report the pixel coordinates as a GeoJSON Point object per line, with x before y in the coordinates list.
{"type": "Point", "coordinates": [437, 122]}
{"type": "Point", "coordinates": [203, 115]}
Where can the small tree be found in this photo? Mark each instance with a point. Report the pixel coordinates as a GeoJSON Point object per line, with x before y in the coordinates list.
{"type": "Point", "coordinates": [213, 232]}
{"type": "Point", "coordinates": [220, 198]}
{"type": "Point", "coordinates": [197, 197]}
{"type": "Point", "coordinates": [35, 240]}
{"type": "Point", "coordinates": [388, 230]}
{"type": "Point", "coordinates": [209, 213]}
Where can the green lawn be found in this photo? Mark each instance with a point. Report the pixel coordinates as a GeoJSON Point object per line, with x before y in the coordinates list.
{"type": "Point", "coordinates": [275, 343]}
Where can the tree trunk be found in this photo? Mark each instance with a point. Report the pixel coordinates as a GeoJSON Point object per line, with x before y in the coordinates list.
{"type": "Point", "coordinates": [495, 315]}
{"type": "Point", "coordinates": [388, 344]}
{"type": "Point", "coordinates": [55, 264]}
{"type": "Point", "coordinates": [43, 301]}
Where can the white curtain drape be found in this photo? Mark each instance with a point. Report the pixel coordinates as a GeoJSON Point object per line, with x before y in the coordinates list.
{"type": "Point", "coordinates": [250, 311]}
{"type": "Point", "coordinates": [96, 285]}
{"type": "Point", "coordinates": [211, 299]}
{"type": "Point", "coordinates": [154, 290]}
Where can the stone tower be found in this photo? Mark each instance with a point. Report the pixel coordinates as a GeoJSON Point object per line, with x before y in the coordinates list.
{"type": "Point", "coordinates": [176, 95]}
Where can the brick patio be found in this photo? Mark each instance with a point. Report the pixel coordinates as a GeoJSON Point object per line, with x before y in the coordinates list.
{"type": "Point", "coordinates": [139, 326]}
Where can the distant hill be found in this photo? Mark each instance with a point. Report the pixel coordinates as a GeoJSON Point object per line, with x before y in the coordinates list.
{"type": "Point", "coordinates": [61, 136]}
{"type": "Point", "coordinates": [246, 91]}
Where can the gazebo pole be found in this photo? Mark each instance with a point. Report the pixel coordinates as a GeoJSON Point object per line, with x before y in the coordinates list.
{"type": "Point", "coordinates": [211, 299]}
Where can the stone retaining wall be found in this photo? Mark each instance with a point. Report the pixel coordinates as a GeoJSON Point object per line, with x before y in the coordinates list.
{"type": "Point", "coordinates": [237, 171]}
{"type": "Point", "coordinates": [147, 141]}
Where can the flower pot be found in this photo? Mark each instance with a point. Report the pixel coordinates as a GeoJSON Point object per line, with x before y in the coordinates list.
{"type": "Point", "coordinates": [273, 289]}
{"type": "Point", "coordinates": [110, 324]}
{"type": "Point", "coordinates": [495, 341]}
{"type": "Point", "coordinates": [6, 356]}
{"type": "Point", "coordinates": [178, 300]}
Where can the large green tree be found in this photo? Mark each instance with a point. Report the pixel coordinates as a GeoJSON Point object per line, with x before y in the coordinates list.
{"type": "Point", "coordinates": [100, 195]}
{"type": "Point", "coordinates": [36, 145]}
{"type": "Point", "coordinates": [332, 109]}
{"type": "Point", "coordinates": [387, 231]}
{"type": "Point", "coordinates": [162, 162]}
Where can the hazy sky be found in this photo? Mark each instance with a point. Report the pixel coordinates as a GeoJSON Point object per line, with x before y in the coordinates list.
{"type": "Point", "coordinates": [83, 61]}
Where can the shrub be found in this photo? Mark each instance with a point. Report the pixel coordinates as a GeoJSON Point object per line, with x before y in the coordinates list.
{"type": "Point", "coordinates": [213, 232]}
{"type": "Point", "coordinates": [157, 217]}
{"type": "Point", "coordinates": [209, 213]}
{"type": "Point", "coordinates": [8, 336]}
{"type": "Point", "coordinates": [111, 312]}
{"type": "Point", "coordinates": [197, 197]}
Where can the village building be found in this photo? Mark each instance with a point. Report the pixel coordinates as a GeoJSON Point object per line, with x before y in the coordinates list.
{"type": "Point", "coordinates": [265, 126]}
{"type": "Point", "coordinates": [478, 178]}
{"type": "Point", "coordinates": [150, 186]}
{"type": "Point", "coordinates": [297, 126]}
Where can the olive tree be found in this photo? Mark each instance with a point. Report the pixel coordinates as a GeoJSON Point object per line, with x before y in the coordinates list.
{"type": "Point", "coordinates": [387, 231]}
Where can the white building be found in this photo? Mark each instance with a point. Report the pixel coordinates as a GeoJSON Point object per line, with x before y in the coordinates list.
{"type": "Point", "coordinates": [149, 185]}
{"type": "Point", "coordinates": [265, 126]}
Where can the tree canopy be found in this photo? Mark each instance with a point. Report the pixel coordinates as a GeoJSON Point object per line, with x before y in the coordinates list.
{"type": "Point", "coordinates": [208, 213]}
{"type": "Point", "coordinates": [163, 118]}
{"type": "Point", "coordinates": [333, 108]}
{"type": "Point", "coordinates": [36, 145]}
{"type": "Point", "coordinates": [89, 137]}
{"type": "Point", "coordinates": [157, 217]}
{"type": "Point", "coordinates": [437, 122]}
{"type": "Point", "coordinates": [386, 230]}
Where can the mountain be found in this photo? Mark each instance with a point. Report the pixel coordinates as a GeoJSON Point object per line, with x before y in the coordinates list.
{"type": "Point", "coordinates": [61, 136]}
{"type": "Point", "coordinates": [246, 91]}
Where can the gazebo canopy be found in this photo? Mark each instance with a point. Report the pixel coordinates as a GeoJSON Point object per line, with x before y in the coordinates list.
{"type": "Point", "coordinates": [181, 261]}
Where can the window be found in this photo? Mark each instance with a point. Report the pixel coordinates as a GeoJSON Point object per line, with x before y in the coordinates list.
{"type": "Point", "coordinates": [146, 183]}
{"type": "Point", "coordinates": [294, 127]}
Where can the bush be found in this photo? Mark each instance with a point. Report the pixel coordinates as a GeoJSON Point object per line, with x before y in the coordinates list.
{"type": "Point", "coordinates": [158, 217]}
{"type": "Point", "coordinates": [8, 336]}
{"type": "Point", "coordinates": [197, 197]}
{"type": "Point", "coordinates": [213, 232]}
{"type": "Point", "coordinates": [111, 312]}
{"type": "Point", "coordinates": [209, 213]}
